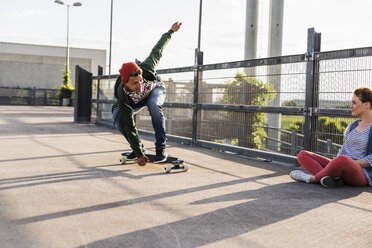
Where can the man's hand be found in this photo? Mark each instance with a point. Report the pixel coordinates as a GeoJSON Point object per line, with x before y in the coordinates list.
{"type": "Point", "coordinates": [176, 26]}
{"type": "Point", "coordinates": [142, 160]}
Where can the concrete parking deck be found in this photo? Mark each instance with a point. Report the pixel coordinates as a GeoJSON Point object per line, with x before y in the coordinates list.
{"type": "Point", "coordinates": [61, 186]}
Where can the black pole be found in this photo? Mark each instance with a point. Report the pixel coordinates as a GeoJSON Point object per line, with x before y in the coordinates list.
{"type": "Point", "coordinates": [112, 3]}
{"type": "Point", "coordinates": [197, 78]}
{"type": "Point", "coordinates": [312, 87]}
{"type": "Point", "coordinates": [100, 73]}
{"type": "Point", "coordinates": [200, 21]}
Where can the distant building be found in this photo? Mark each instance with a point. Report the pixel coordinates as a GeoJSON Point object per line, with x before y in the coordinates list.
{"type": "Point", "coordinates": [39, 66]}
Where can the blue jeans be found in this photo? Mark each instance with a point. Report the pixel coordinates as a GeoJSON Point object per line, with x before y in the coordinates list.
{"type": "Point", "coordinates": [154, 103]}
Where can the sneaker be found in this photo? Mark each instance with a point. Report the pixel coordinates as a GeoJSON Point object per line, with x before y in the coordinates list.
{"type": "Point", "coordinates": [133, 156]}
{"type": "Point", "coordinates": [331, 182]}
{"type": "Point", "coordinates": [161, 156]}
{"type": "Point", "coordinates": [300, 176]}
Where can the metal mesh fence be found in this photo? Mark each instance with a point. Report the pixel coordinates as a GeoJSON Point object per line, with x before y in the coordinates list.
{"type": "Point", "coordinates": [338, 78]}
{"type": "Point", "coordinates": [238, 86]}
{"type": "Point", "coordinates": [241, 85]}
{"type": "Point", "coordinates": [273, 85]}
{"type": "Point", "coordinates": [28, 96]}
{"type": "Point", "coordinates": [104, 91]}
{"type": "Point", "coordinates": [178, 121]}
{"type": "Point", "coordinates": [257, 104]}
{"type": "Point", "coordinates": [179, 87]}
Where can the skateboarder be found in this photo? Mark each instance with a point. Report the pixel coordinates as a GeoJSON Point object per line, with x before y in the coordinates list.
{"type": "Point", "coordinates": [138, 86]}
{"type": "Point", "coordinates": [353, 164]}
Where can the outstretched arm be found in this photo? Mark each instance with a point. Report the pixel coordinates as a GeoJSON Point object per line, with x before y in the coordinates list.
{"type": "Point", "coordinates": [151, 62]}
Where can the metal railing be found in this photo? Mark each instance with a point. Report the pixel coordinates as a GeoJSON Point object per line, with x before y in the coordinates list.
{"type": "Point", "coordinates": [28, 96]}
{"type": "Point", "coordinates": [211, 105]}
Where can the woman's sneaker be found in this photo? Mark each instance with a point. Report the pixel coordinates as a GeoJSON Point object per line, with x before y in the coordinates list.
{"type": "Point", "coordinates": [331, 182]}
{"type": "Point", "coordinates": [300, 176]}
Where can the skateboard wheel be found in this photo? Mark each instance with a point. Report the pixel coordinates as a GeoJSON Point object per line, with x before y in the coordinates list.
{"type": "Point", "coordinates": [185, 167]}
{"type": "Point", "coordinates": [167, 168]}
{"type": "Point", "coordinates": [122, 160]}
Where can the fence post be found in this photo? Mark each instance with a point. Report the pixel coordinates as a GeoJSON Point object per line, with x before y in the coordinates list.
{"type": "Point", "coordinates": [197, 77]}
{"type": "Point", "coordinates": [329, 149]}
{"type": "Point", "coordinates": [46, 97]}
{"type": "Point", "coordinates": [33, 96]}
{"type": "Point", "coordinates": [171, 98]}
{"type": "Point", "coordinates": [312, 85]}
{"type": "Point", "coordinates": [293, 142]}
{"type": "Point", "coordinates": [99, 113]}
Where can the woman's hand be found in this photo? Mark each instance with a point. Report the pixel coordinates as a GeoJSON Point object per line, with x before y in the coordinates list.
{"type": "Point", "coordinates": [363, 163]}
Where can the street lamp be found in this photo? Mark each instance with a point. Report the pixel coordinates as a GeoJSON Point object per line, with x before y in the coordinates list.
{"type": "Point", "coordinates": [112, 3]}
{"type": "Point", "coordinates": [76, 4]}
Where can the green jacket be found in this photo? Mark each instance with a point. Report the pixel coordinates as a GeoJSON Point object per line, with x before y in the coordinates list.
{"type": "Point", "coordinates": [126, 104]}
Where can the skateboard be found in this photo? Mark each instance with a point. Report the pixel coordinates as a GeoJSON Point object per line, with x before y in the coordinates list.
{"type": "Point", "coordinates": [172, 163]}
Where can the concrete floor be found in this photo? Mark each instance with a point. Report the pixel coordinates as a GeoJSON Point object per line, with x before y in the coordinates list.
{"type": "Point", "coordinates": [61, 186]}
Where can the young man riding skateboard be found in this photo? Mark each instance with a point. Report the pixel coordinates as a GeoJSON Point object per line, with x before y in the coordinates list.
{"type": "Point", "coordinates": [138, 86]}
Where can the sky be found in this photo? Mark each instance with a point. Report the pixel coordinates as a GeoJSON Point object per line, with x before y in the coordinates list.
{"type": "Point", "coordinates": [137, 25]}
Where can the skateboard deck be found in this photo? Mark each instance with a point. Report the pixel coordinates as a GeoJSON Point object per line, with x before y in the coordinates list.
{"type": "Point", "coordinates": [171, 164]}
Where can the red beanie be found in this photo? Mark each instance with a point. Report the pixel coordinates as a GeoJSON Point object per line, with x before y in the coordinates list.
{"type": "Point", "coordinates": [127, 69]}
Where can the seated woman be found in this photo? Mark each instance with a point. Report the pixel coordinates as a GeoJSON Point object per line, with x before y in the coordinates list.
{"type": "Point", "coordinates": [353, 164]}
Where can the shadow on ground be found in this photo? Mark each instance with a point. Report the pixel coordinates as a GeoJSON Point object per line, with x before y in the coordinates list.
{"type": "Point", "coordinates": [264, 206]}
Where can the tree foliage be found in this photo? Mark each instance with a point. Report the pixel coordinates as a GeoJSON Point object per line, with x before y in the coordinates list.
{"type": "Point", "coordinates": [66, 89]}
{"type": "Point", "coordinates": [249, 91]}
{"type": "Point", "coordinates": [326, 129]}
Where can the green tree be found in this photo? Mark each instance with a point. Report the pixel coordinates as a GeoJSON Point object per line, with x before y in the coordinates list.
{"type": "Point", "coordinates": [290, 104]}
{"type": "Point", "coordinates": [249, 91]}
{"type": "Point", "coordinates": [326, 128]}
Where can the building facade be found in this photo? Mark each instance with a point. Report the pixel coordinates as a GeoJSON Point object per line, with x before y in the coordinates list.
{"type": "Point", "coordinates": [25, 65]}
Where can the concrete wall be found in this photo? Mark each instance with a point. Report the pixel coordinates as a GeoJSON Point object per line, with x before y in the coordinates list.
{"type": "Point", "coordinates": [36, 71]}
{"type": "Point", "coordinates": [42, 66]}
